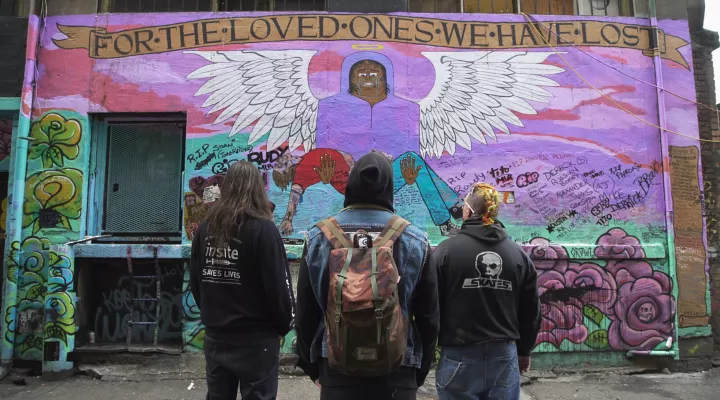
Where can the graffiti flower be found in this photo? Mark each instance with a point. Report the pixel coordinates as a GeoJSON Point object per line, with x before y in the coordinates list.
{"type": "Point", "coordinates": [593, 285]}
{"type": "Point", "coordinates": [60, 316]}
{"type": "Point", "coordinates": [560, 322]}
{"type": "Point", "coordinates": [52, 198]}
{"type": "Point", "coordinates": [616, 243]}
{"type": "Point", "coordinates": [560, 319]}
{"type": "Point", "coordinates": [566, 289]}
{"type": "Point", "coordinates": [548, 256]}
{"type": "Point", "coordinates": [645, 310]}
{"type": "Point", "coordinates": [54, 139]}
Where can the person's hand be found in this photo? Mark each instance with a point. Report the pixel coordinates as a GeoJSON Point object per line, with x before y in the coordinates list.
{"type": "Point", "coordinates": [524, 364]}
{"type": "Point", "coordinates": [317, 383]}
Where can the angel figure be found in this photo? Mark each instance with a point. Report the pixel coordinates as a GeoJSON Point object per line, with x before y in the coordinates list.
{"type": "Point", "coordinates": [474, 95]}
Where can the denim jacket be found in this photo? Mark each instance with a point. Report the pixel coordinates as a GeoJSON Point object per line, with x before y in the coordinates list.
{"type": "Point", "coordinates": [411, 251]}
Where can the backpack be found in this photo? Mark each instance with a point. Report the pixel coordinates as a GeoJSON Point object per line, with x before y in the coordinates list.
{"type": "Point", "coordinates": [366, 329]}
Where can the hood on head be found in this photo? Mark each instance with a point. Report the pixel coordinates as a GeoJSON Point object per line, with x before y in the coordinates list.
{"type": "Point", "coordinates": [475, 228]}
{"type": "Point", "coordinates": [370, 182]}
{"type": "Point", "coordinates": [365, 55]}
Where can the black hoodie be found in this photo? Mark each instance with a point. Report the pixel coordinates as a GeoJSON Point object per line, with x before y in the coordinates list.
{"type": "Point", "coordinates": [370, 184]}
{"type": "Point", "coordinates": [488, 288]}
{"type": "Point", "coordinates": [243, 288]}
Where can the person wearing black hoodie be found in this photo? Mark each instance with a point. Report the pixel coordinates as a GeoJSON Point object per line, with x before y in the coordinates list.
{"type": "Point", "coordinates": [489, 306]}
{"type": "Point", "coordinates": [369, 207]}
{"type": "Point", "coordinates": [240, 279]}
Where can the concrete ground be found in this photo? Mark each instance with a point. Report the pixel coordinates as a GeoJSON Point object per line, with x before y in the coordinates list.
{"type": "Point", "coordinates": [590, 387]}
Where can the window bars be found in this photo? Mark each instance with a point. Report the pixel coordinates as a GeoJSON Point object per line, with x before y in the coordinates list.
{"type": "Point", "coordinates": [545, 7]}
{"type": "Point", "coordinates": [146, 6]}
{"type": "Point", "coordinates": [604, 8]}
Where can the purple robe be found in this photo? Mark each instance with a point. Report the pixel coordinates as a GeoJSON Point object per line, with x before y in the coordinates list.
{"type": "Point", "coordinates": [350, 124]}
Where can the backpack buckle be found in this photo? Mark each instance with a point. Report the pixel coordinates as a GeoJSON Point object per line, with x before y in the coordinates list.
{"type": "Point", "coordinates": [378, 313]}
{"type": "Point", "coordinates": [337, 316]}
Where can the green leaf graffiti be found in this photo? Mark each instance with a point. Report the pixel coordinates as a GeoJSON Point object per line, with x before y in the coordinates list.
{"type": "Point", "coordinates": [598, 339]}
{"type": "Point", "coordinates": [594, 314]}
{"type": "Point", "coordinates": [198, 339]}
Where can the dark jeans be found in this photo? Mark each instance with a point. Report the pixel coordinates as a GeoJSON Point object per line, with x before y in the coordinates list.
{"type": "Point", "coordinates": [253, 366]}
{"type": "Point", "coordinates": [483, 371]}
{"type": "Point", "coordinates": [360, 393]}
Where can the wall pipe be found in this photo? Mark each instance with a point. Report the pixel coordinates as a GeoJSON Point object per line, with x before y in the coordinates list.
{"type": "Point", "coordinates": [665, 152]}
{"type": "Point", "coordinates": [651, 353]}
{"type": "Point", "coordinates": [18, 163]}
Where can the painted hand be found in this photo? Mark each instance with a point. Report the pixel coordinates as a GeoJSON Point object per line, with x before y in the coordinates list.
{"type": "Point", "coordinates": [524, 364]}
{"type": "Point", "coordinates": [286, 227]}
{"type": "Point", "coordinates": [408, 169]}
{"type": "Point", "coordinates": [327, 168]}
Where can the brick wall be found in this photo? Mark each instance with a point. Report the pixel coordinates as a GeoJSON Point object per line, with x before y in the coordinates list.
{"type": "Point", "coordinates": [13, 33]}
{"type": "Point", "coordinates": [704, 42]}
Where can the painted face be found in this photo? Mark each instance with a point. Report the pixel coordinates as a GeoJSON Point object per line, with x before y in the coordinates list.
{"type": "Point", "coordinates": [368, 81]}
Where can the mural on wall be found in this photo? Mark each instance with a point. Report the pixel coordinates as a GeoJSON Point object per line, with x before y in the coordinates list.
{"type": "Point", "coordinates": [51, 215]}
{"type": "Point", "coordinates": [46, 305]}
{"type": "Point", "coordinates": [450, 100]}
{"type": "Point", "coordinates": [623, 303]}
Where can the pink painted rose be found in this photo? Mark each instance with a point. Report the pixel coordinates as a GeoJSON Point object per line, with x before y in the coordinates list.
{"type": "Point", "coordinates": [547, 256]}
{"type": "Point", "coordinates": [601, 286]}
{"type": "Point", "coordinates": [560, 322]}
{"type": "Point", "coordinates": [563, 300]}
{"type": "Point", "coordinates": [645, 308]}
{"type": "Point", "coordinates": [616, 243]}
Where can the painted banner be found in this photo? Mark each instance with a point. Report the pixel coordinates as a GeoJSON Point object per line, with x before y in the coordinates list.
{"type": "Point", "coordinates": [380, 28]}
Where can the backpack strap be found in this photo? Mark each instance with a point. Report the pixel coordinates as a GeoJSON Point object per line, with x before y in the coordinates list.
{"type": "Point", "coordinates": [377, 300]}
{"type": "Point", "coordinates": [334, 233]}
{"type": "Point", "coordinates": [394, 228]}
{"type": "Point", "coordinates": [338, 295]}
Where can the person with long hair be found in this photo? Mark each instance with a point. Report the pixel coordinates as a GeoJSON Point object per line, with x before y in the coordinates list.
{"type": "Point", "coordinates": [240, 279]}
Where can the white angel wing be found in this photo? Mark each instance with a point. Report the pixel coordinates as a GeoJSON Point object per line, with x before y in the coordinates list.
{"type": "Point", "coordinates": [476, 93]}
{"type": "Point", "coordinates": [270, 87]}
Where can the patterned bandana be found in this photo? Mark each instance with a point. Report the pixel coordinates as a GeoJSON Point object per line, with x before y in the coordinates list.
{"type": "Point", "coordinates": [490, 196]}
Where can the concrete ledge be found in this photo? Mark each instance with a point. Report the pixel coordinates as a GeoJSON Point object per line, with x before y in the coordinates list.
{"type": "Point", "coordinates": [164, 251]}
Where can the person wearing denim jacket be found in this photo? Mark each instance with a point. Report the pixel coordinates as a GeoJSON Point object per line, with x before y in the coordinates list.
{"type": "Point", "coordinates": [368, 202]}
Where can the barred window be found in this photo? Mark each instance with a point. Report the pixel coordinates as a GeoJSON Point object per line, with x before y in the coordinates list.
{"type": "Point", "coordinates": [544, 7]}
{"type": "Point", "coordinates": [272, 5]}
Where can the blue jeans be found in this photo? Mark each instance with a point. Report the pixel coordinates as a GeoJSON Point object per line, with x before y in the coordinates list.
{"type": "Point", "coordinates": [487, 371]}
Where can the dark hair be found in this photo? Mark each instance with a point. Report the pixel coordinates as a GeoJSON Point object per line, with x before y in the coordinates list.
{"type": "Point", "coordinates": [242, 197]}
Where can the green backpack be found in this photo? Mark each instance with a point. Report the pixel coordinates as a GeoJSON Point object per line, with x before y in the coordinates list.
{"type": "Point", "coordinates": [366, 329]}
